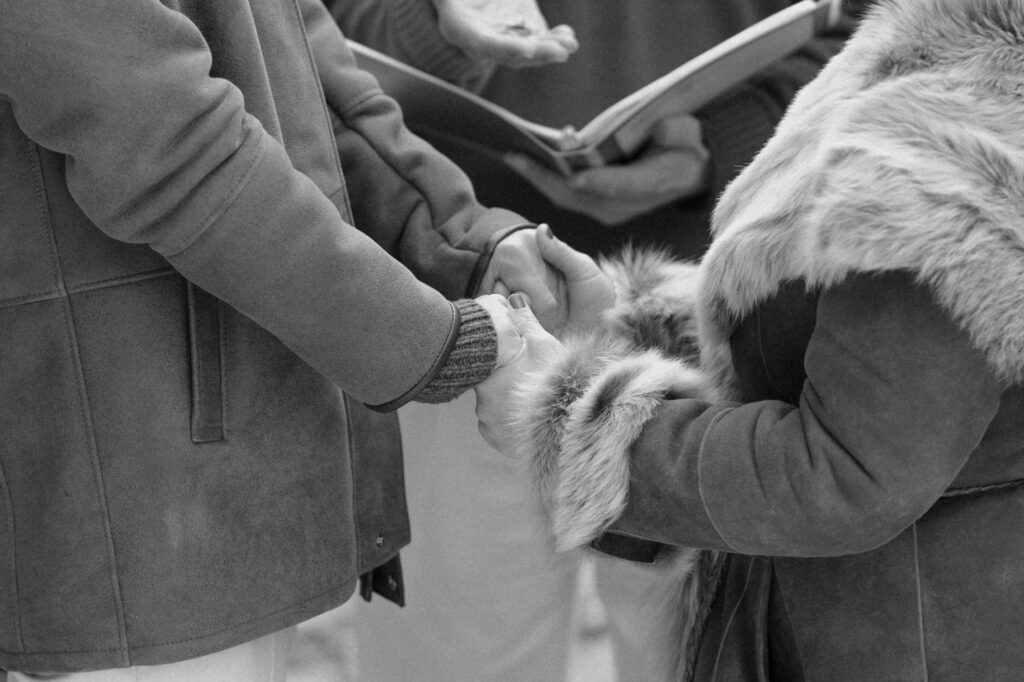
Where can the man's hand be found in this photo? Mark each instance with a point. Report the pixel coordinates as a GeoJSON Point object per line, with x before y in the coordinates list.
{"type": "Point", "coordinates": [516, 265]}
{"type": "Point", "coordinates": [492, 394]}
{"type": "Point", "coordinates": [511, 33]}
{"type": "Point", "coordinates": [587, 290]}
{"type": "Point", "coordinates": [671, 167]}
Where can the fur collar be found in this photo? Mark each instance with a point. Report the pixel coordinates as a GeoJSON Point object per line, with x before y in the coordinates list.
{"type": "Point", "coordinates": [907, 152]}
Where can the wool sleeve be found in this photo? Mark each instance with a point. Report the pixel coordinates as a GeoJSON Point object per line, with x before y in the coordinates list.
{"type": "Point", "coordinates": [408, 197]}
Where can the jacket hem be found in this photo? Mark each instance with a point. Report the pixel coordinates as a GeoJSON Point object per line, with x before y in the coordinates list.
{"type": "Point", "coordinates": [178, 650]}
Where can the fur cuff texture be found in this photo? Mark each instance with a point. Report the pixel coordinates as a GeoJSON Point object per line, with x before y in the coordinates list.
{"type": "Point", "coordinates": [578, 418]}
{"type": "Point", "coordinates": [655, 301]}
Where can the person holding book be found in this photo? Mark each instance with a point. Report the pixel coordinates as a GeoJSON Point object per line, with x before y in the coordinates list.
{"type": "Point", "coordinates": [201, 354]}
{"type": "Point", "coordinates": [686, 160]}
{"type": "Point", "coordinates": [829, 404]}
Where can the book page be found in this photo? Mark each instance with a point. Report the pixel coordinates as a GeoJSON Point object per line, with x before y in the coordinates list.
{"type": "Point", "coordinates": [698, 81]}
{"type": "Point", "coordinates": [430, 104]}
{"type": "Point", "coordinates": [434, 106]}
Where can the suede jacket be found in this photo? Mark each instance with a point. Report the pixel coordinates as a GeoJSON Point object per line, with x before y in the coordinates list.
{"type": "Point", "coordinates": [849, 453]}
{"type": "Point", "coordinates": [183, 297]}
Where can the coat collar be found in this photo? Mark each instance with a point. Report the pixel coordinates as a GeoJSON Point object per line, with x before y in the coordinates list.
{"type": "Point", "coordinates": [907, 152]}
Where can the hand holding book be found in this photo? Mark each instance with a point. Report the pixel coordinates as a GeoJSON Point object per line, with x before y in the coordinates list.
{"type": "Point", "coordinates": [433, 106]}
{"type": "Point", "coordinates": [671, 166]}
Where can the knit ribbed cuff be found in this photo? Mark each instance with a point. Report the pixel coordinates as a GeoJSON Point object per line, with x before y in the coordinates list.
{"type": "Point", "coordinates": [470, 361]}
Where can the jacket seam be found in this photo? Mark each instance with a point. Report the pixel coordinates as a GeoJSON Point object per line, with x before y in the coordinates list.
{"type": "Point", "coordinates": [732, 616]}
{"type": "Point", "coordinates": [195, 364]}
{"type": "Point", "coordinates": [700, 489]}
{"type": "Point", "coordinates": [83, 407]}
{"type": "Point", "coordinates": [350, 438]}
{"type": "Point", "coordinates": [762, 355]}
{"type": "Point", "coordinates": [781, 595]}
{"type": "Point", "coordinates": [92, 285]}
{"type": "Point", "coordinates": [119, 279]}
{"type": "Point", "coordinates": [349, 216]}
{"type": "Point", "coordinates": [311, 58]}
{"type": "Point", "coordinates": [232, 195]}
{"type": "Point", "coordinates": [224, 351]}
{"type": "Point", "coordinates": [9, 510]}
{"type": "Point", "coordinates": [920, 606]}
{"type": "Point", "coordinates": [95, 285]}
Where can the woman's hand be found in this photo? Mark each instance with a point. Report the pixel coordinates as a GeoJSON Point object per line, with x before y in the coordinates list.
{"type": "Point", "coordinates": [585, 291]}
{"type": "Point", "coordinates": [493, 395]}
{"type": "Point", "coordinates": [510, 33]}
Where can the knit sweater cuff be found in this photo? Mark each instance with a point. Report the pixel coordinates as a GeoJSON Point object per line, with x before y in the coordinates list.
{"type": "Point", "coordinates": [417, 32]}
{"type": "Point", "coordinates": [470, 361]}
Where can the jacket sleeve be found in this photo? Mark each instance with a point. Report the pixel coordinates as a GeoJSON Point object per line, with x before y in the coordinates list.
{"type": "Point", "coordinates": [159, 152]}
{"type": "Point", "coordinates": [411, 199]}
{"type": "Point", "coordinates": [739, 123]}
{"type": "Point", "coordinates": [895, 400]}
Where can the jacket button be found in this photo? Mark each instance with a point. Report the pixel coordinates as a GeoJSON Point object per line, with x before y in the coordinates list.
{"type": "Point", "coordinates": [380, 540]}
{"type": "Point", "coordinates": [392, 584]}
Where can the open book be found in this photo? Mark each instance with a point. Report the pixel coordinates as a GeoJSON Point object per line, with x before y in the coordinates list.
{"type": "Point", "coordinates": [434, 106]}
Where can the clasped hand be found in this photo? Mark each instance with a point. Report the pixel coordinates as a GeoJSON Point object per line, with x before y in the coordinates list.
{"type": "Point", "coordinates": [523, 346]}
{"type": "Point", "coordinates": [583, 293]}
{"type": "Point", "coordinates": [672, 166]}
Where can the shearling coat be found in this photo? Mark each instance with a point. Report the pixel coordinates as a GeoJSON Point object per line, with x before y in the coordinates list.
{"type": "Point", "coordinates": [849, 452]}
{"type": "Point", "coordinates": [183, 297]}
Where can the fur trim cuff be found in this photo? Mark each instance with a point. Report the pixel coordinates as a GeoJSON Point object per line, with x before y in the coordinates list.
{"type": "Point", "coordinates": [579, 418]}
{"type": "Point", "coordinates": [543, 400]}
{"type": "Point", "coordinates": [655, 301]}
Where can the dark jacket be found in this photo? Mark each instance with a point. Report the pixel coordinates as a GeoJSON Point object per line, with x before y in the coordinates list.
{"type": "Point", "coordinates": [182, 300]}
{"type": "Point", "coordinates": [853, 442]}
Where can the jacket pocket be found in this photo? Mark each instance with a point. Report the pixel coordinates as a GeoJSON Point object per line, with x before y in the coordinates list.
{"type": "Point", "coordinates": [204, 322]}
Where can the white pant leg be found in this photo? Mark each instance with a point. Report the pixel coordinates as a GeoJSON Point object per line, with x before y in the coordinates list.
{"type": "Point", "coordinates": [325, 646]}
{"type": "Point", "coordinates": [642, 604]}
{"type": "Point", "coordinates": [487, 596]}
{"type": "Point", "coordinates": [261, 660]}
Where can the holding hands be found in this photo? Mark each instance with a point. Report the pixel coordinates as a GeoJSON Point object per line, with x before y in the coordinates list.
{"type": "Point", "coordinates": [582, 292]}
{"type": "Point", "coordinates": [511, 33]}
{"type": "Point", "coordinates": [523, 346]}
{"type": "Point", "coordinates": [517, 265]}
{"type": "Point", "coordinates": [566, 288]}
